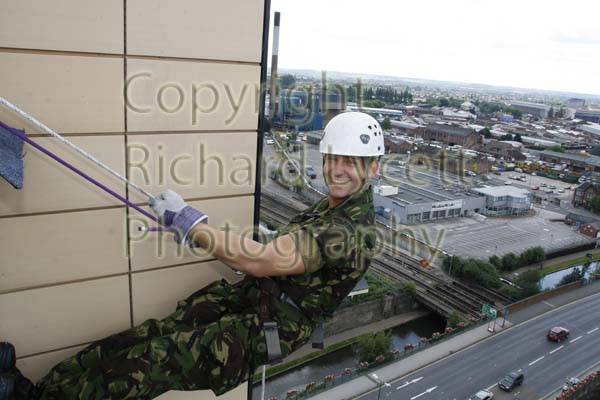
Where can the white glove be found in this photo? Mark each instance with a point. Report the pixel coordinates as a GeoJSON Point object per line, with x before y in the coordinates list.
{"type": "Point", "coordinates": [175, 214]}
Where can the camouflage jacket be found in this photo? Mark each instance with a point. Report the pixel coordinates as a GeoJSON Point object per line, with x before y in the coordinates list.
{"type": "Point", "coordinates": [336, 246]}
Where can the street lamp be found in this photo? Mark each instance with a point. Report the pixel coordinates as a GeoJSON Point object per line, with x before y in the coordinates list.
{"type": "Point", "coordinates": [380, 382]}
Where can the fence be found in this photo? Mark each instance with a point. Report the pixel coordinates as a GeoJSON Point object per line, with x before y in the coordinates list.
{"type": "Point", "coordinates": [360, 369]}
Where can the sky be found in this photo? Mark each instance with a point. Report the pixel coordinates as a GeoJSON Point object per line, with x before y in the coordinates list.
{"type": "Point", "coordinates": [550, 44]}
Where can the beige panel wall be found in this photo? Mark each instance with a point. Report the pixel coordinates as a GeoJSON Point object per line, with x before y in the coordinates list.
{"type": "Point", "coordinates": [153, 250]}
{"type": "Point", "coordinates": [71, 25]}
{"type": "Point", "coordinates": [52, 248]}
{"type": "Point", "coordinates": [154, 298]}
{"type": "Point", "coordinates": [68, 93]}
{"type": "Point", "coordinates": [204, 29]}
{"type": "Point", "coordinates": [169, 95]}
{"type": "Point", "coordinates": [194, 165]}
{"type": "Point", "coordinates": [58, 188]}
{"type": "Point", "coordinates": [59, 316]}
{"type": "Point", "coordinates": [71, 259]}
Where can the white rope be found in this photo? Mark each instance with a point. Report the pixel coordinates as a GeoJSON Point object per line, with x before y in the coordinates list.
{"type": "Point", "coordinates": [82, 152]}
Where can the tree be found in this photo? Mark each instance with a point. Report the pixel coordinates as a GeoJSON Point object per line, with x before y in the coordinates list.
{"type": "Point", "coordinates": [455, 318]}
{"type": "Point", "coordinates": [371, 345]}
{"type": "Point", "coordinates": [410, 288]}
{"type": "Point", "coordinates": [508, 136]}
{"type": "Point", "coordinates": [515, 112]}
{"type": "Point", "coordinates": [444, 102]}
{"type": "Point", "coordinates": [386, 124]}
{"type": "Point", "coordinates": [495, 261]}
{"type": "Point", "coordinates": [532, 255]}
{"type": "Point", "coordinates": [557, 148]}
{"type": "Point", "coordinates": [518, 138]}
{"type": "Point", "coordinates": [529, 282]}
{"type": "Point", "coordinates": [486, 133]}
{"type": "Point", "coordinates": [286, 81]}
{"type": "Point", "coordinates": [551, 112]}
{"type": "Point", "coordinates": [510, 262]}
{"type": "Point", "coordinates": [595, 204]}
{"type": "Point", "coordinates": [574, 276]}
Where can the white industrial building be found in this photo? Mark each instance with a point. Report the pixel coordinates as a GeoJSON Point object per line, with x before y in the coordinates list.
{"type": "Point", "coordinates": [505, 200]}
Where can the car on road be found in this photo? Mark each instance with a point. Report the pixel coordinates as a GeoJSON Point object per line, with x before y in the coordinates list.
{"type": "Point", "coordinates": [511, 381]}
{"type": "Point", "coordinates": [482, 395]}
{"type": "Point", "coordinates": [557, 334]}
{"type": "Point", "coordinates": [310, 172]}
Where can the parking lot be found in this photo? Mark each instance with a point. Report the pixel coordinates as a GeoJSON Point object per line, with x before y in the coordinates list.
{"type": "Point", "coordinates": [468, 237]}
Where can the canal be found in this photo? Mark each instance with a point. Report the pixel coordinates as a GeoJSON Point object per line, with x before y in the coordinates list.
{"type": "Point", "coordinates": [550, 281]}
{"type": "Point", "coordinates": [335, 362]}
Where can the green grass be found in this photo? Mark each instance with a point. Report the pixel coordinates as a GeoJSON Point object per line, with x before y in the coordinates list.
{"type": "Point", "coordinates": [569, 263]}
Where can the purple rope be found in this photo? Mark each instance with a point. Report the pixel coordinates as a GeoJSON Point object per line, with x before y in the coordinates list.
{"type": "Point", "coordinates": [24, 137]}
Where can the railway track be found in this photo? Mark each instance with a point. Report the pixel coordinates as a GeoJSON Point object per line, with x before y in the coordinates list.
{"type": "Point", "coordinates": [434, 291]}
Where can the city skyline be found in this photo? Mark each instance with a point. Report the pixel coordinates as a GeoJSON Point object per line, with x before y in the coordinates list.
{"type": "Point", "coordinates": [544, 46]}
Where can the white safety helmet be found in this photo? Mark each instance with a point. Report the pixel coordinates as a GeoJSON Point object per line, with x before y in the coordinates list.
{"type": "Point", "coordinates": [353, 134]}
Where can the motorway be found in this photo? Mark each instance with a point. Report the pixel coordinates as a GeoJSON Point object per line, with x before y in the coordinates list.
{"type": "Point", "coordinates": [545, 364]}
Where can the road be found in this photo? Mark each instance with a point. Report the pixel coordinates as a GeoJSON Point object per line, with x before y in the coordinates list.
{"type": "Point", "coordinates": [545, 365]}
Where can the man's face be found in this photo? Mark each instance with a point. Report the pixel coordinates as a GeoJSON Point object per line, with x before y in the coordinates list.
{"type": "Point", "coordinates": [345, 175]}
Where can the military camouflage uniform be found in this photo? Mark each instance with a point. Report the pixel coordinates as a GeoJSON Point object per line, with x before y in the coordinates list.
{"type": "Point", "coordinates": [214, 339]}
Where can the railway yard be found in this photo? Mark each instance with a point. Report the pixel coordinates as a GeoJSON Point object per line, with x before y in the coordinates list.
{"type": "Point", "coordinates": [434, 289]}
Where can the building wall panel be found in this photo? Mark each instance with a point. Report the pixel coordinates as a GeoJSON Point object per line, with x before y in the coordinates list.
{"type": "Point", "coordinates": [50, 186]}
{"type": "Point", "coordinates": [154, 298]}
{"type": "Point", "coordinates": [52, 248]}
{"type": "Point", "coordinates": [152, 250]}
{"type": "Point", "coordinates": [196, 29]}
{"type": "Point", "coordinates": [168, 95]}
{"type": "Point", "coordinates": [68, 93]}
{"type": "Point", "coordinates": [193, 165]}
{"type": "Point", "coordinates": [68, 25]}
{"type": "Point", "coordinates": [55, 317]}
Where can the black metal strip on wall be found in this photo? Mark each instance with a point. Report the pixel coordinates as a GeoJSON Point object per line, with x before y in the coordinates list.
{"type": "Point", "coordinates": [261, 114]}
{"type": "Point", "coordinates": [260, 133]}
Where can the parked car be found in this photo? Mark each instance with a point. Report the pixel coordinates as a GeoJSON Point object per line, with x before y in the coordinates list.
{"type": "Point", "coordinates": [535, 187]}
{"type": "Point", "coordinates": [511, 381]}
{"type": "Point", "coordinates": [557, 334]}
{"type": "Point", "coordinates": [544, 185]}
{"type": "Point", "coordinates": [550, 191]}
{"type": "Point", "coordinates": [561, 190]}
{"type": "Point", "coordinates": [508, 183]}
{"type": "Point", "coordinates": [482, 395]}
{"type": "Point", "coordinates": [269, 141]}
{"type": "Point", "coordinates": [552, 187]}
{"type": "Point", "coordinates": [497, 173]}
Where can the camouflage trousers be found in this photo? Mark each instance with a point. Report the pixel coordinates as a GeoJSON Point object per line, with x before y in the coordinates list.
{"type": "Point", "coordinates": [213, 340]}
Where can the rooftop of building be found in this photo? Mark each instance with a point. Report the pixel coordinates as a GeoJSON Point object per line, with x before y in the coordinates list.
{"type": "Point", "coordinates": [452, 130]}
{"type": "Point", "coordinates": [500, 191]}
{"type": "Point", "coordinates": [590, 159]}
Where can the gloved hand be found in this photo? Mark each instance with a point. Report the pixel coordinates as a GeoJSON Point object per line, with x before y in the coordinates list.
{"type": "Point", "coordinates": [175, 214]}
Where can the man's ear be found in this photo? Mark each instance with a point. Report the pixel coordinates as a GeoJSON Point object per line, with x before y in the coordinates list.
{"type": "Point", "coordinates": [373, 168]}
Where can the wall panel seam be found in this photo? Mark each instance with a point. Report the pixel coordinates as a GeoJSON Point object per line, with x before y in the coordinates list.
{"type": "Point", "coordinates": [18, 50]}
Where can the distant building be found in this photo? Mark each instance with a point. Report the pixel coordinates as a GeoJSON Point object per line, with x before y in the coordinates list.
{"type": "Point", "coordinates": [535, 109]}
{"type": "Point", "coordinates": [408, 128]}
{"type": "Point", "coordinates": [575, 103]}
{"type": "Point", "coordinates": [591, 229]}
{"type": "Point", "coordinates": [505, 150]}
{"type": "Point", "coordinates": [396, 145]}
{"type": "Point", "coordinates": [505, 200]}
{"type": "Point", "coordinates": [584, 193]}
{"type": "Point", "coordinates": [577, 220]}
{"type": "Point", "coordinates": [575, 162]}
{"type": "Point", "coordinates": [453, 135]}
{"type": "Point", "coordinates": [460, 115]}
{"type": "Point", "coordinates": [588, 115]}
{"type": "Point", "coordinates": [591, 128]}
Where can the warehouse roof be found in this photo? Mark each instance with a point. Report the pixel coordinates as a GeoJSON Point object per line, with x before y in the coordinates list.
{"type": "Point", "coordinates": [499, 191]}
